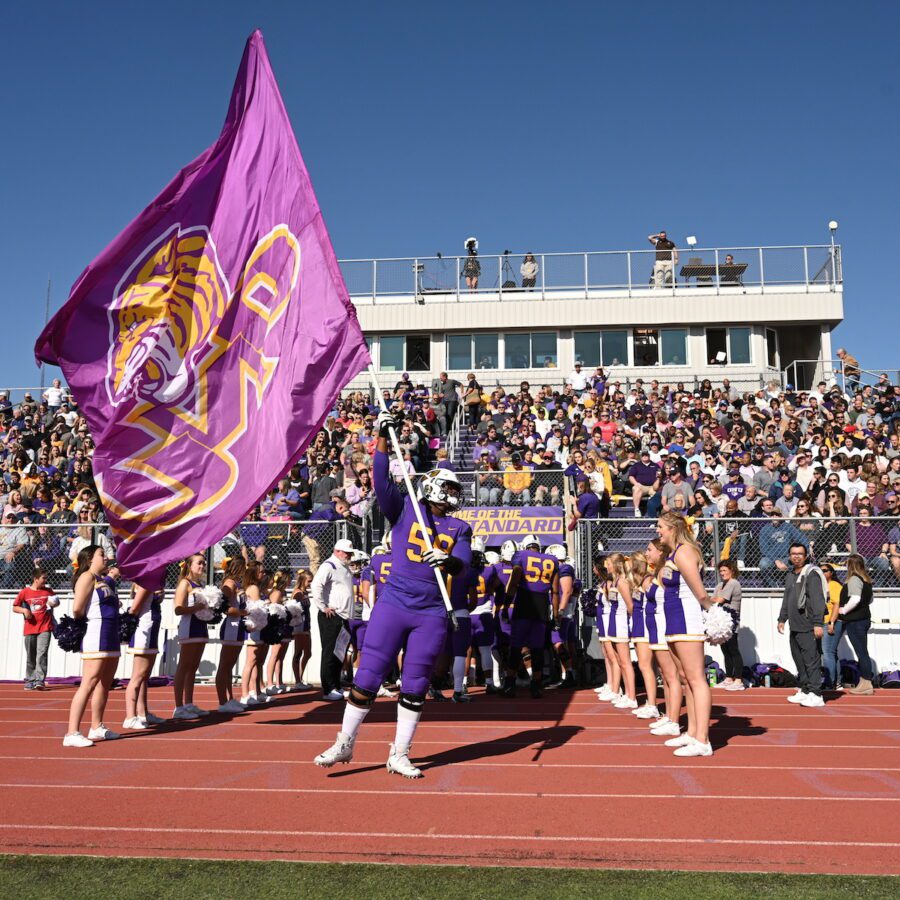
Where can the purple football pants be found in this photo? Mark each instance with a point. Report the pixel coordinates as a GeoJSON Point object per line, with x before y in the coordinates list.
{"type": "Point", "coordinates": [358, 630]}
{"type": "Point", "coordinates": [483, 630]}
{"type": "Point", "coordinates": [528, 633]}
{"type": "Point", "coordinates": [393, 628]}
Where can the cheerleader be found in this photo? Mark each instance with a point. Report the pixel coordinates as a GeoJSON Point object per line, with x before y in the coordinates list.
{"type": "Point", "coordinates": [193, 635]}
{"type": "Point", "coordinates": [252, 693]}
{"type": "Point", "coordinates": [302, 640]}
{"type": "Point", "coordinates": [655, 619]}
{"type": "Point", "coordinates": [619, 592]}
{"type": "Point", "coordinates": [95, 600]}
{"type": "Point", "coordinates": [684, 598]}
{"type": "Point", "coordinates": [232, 634]}
{"type": "Point", "coordinates": [143, 647]}
{"type": "Point", "coordinates": [636, 567]}
{"type": "Point", "coordinates": [610, 690]}
{"type": "Point", "coordinates": [275, 665]}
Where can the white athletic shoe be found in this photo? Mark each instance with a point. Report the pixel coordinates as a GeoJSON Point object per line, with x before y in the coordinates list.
{"type": "Point", "coordinates": [604, 693]}
{"type": "Point", "coordinates": [646, 712]}
{"type": "Point", "coordinates": [333, 695]}
{"type": "Point", "coordinates": [102, 734]}
{"type": "Point", "coordinates": [196, 710]}
{"type": "Point", "coordinates": [683, 740]}
{"type": "Point", "coordinates": [625, 703]}
{"type": "Point", "coordinates": [735, 686]}
{"type": "Point", "coordinates": [341, 751]}
{"type": "Point", "coordinates": [151, 719]}
{"type": "Point", "coordinates": [812, 700]}
{"type": "Point", "coordinates": [398, 764]}
{"type": "Point", "coordinates": [796, 698]}
{"type": "Point", "coordinates": [232, 706]}
{"type": "Point", "coordinates": [76, 739]}
{"type": "Point", "coordinates": [136, 723]}
{"type": "Point", "coordinates": [665, 720]}
{"type": "Point", "coordinates": [384, 692]}
{"type": "Point", "coordinates": [694, 748]}
{"type": "Point", "coordinates": [610, 697]}
{"type": "Point", "coordinates": [670, 728]}
{"type": "Point", "coordinates": [184, 712]}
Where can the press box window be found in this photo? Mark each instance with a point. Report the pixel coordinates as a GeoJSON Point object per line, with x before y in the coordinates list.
{"type": "Point", "coordinates": [607, 348]}
{"type": "Point", "coordinates": [654, 346]}
{"type": "Point", "coordinates": [728, 346]}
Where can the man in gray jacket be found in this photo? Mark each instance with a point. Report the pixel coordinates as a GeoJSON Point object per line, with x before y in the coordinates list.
{"type": "Point", "coordinates": [803, 608]}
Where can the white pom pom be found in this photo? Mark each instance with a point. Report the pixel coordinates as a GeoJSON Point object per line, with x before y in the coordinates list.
{"type": "Point", "coordinates": [276, 609]}
{"type": "Point", "coordinates": [211, 596]}
{"type": "Point", "coordinates": [204, 613]}
{"type": "Point", "coordinates": [295, 611]}
{"type": "Point", "coordinates": [257, 617]}
{"type": "Point", "coordinates": [718, 624]}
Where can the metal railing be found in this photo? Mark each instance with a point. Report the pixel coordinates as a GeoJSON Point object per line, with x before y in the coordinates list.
{"type": "Point", "coordinates": [458, 278]}
{"type": "Point", "coordinates": [805, 374]}
{"type": "Point", "coordinates": [759, 546]}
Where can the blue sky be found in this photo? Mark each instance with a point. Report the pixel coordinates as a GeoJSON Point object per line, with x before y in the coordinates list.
{"type": "Point", "coordinates": [564, 126]}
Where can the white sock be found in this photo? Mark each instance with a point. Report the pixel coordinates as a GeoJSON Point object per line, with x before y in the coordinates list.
{"type": "Point", "coordinates": [407, 721]}
{"type": "Point", "coordinates": [498, 672]}
{"type": "Point", "coordinates": [528, 670]}
{"type": "Point", "coordinates": [459, 673]}
{"type": "Point", "coordinates": [486, 660]}
{"type": "Point", "coordinates": [354, 716]}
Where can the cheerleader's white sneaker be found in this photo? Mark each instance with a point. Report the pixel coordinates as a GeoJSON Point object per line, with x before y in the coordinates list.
{"type": "Point", "coordinates": [646, 712]}
{"type": "Point", "coordinates": [694, 748]}
{"type": "Point", "coordinates": [670, 728]}
{"type": "Point", "coordinates": [136, 723]}
{"type": "Point", "coordinates": [683, 740]}
{"type": "Point", "coordinates": [76, 739]}
{"type": "Point", "coordinates": [102, 733]}
{"type": "Point", "coordinates": [625, 703]}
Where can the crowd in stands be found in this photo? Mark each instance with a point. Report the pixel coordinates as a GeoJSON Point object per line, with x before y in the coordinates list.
{"type": "Point", "coordinates": [796, 464]}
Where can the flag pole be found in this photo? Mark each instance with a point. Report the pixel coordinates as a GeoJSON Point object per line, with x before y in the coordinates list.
{"type": "Point", "coordinates": [426, 534]}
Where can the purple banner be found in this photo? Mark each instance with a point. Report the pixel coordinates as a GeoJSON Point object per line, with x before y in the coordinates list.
{"type": "Point", "coordinates": [496, 524]}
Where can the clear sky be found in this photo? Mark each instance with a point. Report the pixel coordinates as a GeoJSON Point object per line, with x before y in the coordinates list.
{"type": "Point", "coordinates": [546, 126]}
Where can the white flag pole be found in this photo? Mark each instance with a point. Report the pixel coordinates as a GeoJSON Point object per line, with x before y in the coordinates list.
{"type": "Point", "coordinates": [426, 534]}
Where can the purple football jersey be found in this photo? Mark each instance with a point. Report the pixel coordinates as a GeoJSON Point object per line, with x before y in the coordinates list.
{"type": "Point", "coordinates": [533, 596]}
{"type": "Point", "coordinates": [412, 582]}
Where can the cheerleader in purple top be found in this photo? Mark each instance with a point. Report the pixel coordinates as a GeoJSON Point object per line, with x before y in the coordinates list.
{"type": "Point", "coordinates": [611, 690]}
{"type": "Point", "coordinates": [275, 665]}
{"type": "Point", "coordinates": [302, 639]}
{"type": "Point", "coordinates": [232, 634]}
{"type": "Point", "coordinates": [96, 601]}
{"type": "Point", "coordinates": [143, 648]}
{"type": "Point", "coordinates": [655, 619]}
{"type": "Point", "coordinates": [252, 694]}
{"type": "Point", "coordinates": [617, 631]}
{"type": "Point", "coordinates": [636, 567]}
{"type": "Point", "coordinates": [193, 634]}
{"type": "Point", "coordinates": [684, 597]}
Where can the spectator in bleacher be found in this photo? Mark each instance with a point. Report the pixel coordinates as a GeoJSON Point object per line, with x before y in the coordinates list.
{"type": "Point", "coordinates": [361, 493]}
{"type": "Point", "coordinates": [318, 535]}
{"type": "Point", "coordinates": [516, 483]}
{"type": "Point", "coordinates": [13, 547]}
{"type": "Point", "coordinates": [587, 504]}
{"type": "Point", "coordinates": [472, 401]}
{"type": "Point", "coordinates": [675, 486]}
{"type": "Point", "coordinates": [489, 483]}
{"type": "Point", "coordinates": [644, 477]}
{"type": "Point", "coordinates": [871, 542]}
{"type": "Point", "coordinates": [787, 502]}
{"type": "Point", "coordinates": [850, 366]}
{"type": "Point", "coordinates": [775, 540]}
{"type": "Point", "coordinates": [448, 388]}
{"type": "Point", "coordinates": [578, 379]}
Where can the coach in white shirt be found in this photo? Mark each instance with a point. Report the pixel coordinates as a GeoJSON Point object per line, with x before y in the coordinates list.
{"type": "Point", "coordinates": [331, 592]}
{"type": "Point", "coordinates": [577, 379]}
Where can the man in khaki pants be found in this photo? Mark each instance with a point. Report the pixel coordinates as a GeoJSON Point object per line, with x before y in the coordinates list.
{"type": "Point", "coordinates": [666, 257]}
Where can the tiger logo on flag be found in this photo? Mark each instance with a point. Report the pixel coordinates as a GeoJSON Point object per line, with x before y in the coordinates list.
{"type": "Point", "coordinates": [173, 325]}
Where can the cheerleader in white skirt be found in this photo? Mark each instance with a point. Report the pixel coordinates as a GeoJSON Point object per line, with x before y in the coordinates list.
{"type": "Point", "coordinates": [143, 648]}
{"type": "Point", "coordinates": [232, 634]}
{"type": "Point", "coordinates": [193, 635]}
{"type": "Point", "coordinates": [617, 627]}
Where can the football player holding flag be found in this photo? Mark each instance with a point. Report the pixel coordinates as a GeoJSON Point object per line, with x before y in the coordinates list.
{"type": "Point", "coordinates": [410, 611]}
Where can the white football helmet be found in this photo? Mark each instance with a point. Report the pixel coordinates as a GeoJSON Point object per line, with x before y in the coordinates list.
{"type": "Point", "coordinates": [477, 545]}
{"type": "Point", "coordinates": [557, 550]}
{"type": "Point", "coordinates": [492, 557]}
{"type": "Point", "coordinates": [358, 561]}
{"type": "Point", "coordinates": [508, 551]}
{"type": "Point", "coordinates": [386, 542]}
{"type": "Point", "coordinates": [441, 487]}
{"type": "Point", "coordinates": [530, 541]}
{"type": "Point", "coordinates": [379, 549]}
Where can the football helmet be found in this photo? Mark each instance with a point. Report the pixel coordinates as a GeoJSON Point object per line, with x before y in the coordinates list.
{"type": "Point", "coordinates": [441, 487]}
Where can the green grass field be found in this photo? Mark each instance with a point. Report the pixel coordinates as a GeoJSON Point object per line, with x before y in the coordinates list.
{"type": "Point", "coordinates": [74, 877]}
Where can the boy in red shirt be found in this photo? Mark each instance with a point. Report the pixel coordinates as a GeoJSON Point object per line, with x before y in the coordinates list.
{"type": "Point", "coordinates": [36, 603]}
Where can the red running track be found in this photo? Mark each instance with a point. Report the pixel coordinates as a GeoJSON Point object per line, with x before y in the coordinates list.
{"type": "Point", "coordinates": [562, 781]}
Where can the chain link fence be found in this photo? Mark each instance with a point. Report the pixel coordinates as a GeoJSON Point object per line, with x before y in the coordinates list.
{"type": "Point", "coordinates": [278, 545]}
{"type": "Point", "coordinates": [759, 546]}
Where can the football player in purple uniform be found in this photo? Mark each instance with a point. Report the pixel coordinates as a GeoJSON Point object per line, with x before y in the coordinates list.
{"type": "Point", "coordinates": [410, 610]}
{"type": "Point", "coordinates": [563, 636]}
{"type": "Point", "coordinates": [535, 585]}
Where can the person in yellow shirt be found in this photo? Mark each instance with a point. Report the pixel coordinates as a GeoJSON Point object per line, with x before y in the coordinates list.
{"type": "Point", "coordinates": [516, 483]}
{"type": "Point", "coordinates": [833, 629]}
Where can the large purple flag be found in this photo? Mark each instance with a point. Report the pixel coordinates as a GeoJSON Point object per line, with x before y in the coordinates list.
{"type": "Point", "coordinates": [208, 342]}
